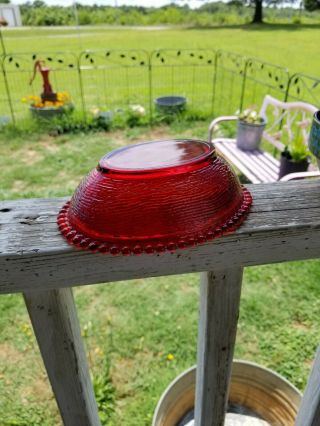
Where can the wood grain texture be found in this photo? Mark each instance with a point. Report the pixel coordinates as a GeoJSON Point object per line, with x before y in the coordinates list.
{"type": "Point", "coordinates": [219, 312]}
{"type": "Point", "coordinates": [56, 326]}
{"type": "Point", "coordinates": [309, 411]}
{"type": "Point", "coordinates": [283, 225]}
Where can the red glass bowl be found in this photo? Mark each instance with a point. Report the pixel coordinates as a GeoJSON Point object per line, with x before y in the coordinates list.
{"type": "Point", "coordinates": [153, 197]}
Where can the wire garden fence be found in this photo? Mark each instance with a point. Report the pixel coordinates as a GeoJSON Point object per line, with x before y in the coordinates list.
{"type": "Point", "coordinates": [215, 82]}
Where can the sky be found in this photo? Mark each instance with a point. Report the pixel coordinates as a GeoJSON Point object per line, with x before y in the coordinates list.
{"type": "Point", "coordinates": [150, 3]}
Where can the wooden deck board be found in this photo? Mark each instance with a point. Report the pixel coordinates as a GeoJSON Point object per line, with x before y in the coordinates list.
{"type": "Point", "coordinates": [284, 224]}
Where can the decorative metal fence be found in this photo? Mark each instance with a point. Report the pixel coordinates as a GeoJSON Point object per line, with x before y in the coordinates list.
{"type": "Point", "coordinates": [228, 82]}
{"type": "Point", "coordinates": [214, 82]}
{"type": "Point", "coordinates": [184, 72]}
{"type": "Point", "coordinates": [261, 78]}
{"type": "Point", "coordinates": [114, 78]}
{"type": "Point", "coordinates": [18, 70]}
{"type": "Point", "coordinates": [304, 87]}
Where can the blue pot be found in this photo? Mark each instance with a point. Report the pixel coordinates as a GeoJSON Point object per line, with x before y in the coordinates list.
{"type": "Point", "coordinates": [314, 137]}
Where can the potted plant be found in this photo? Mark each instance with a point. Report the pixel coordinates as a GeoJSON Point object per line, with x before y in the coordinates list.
{"type": "Point", "coordinates": [49, 109]}
{"type": "Point", "coordinates": [296, 156]}
{"type": "Point", "coordinates": [250, 129]}
{"type": "Point", "coordinates": [49, 104]}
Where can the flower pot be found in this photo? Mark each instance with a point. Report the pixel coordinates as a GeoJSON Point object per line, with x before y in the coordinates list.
{"type": "Point", "coordinates": [170, 104]}
{"type": "Point", "coordinates": [288, 165]}
{"type": "Point", "coordinates": [314, 137]}
{"type": "Point", "coordinates": [258, 397]}
{"type": "Point", "coordinates": [249, 135]}
{"type": "Point", "coordinates": [48, 113]}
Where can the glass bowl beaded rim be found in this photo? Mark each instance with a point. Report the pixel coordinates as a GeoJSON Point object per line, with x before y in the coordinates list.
{"type": "Point", "coordinates": [153, 245]}
{"type": "Point", "coordinates": [82, 241]}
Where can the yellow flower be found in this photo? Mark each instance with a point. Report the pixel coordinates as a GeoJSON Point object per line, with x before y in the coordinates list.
{"type": "Point", "coordinates": [98, 351]}
{"type": "Point", "coordinates": [170, 357]}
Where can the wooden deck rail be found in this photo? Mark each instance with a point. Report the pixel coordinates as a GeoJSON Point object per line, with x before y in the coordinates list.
{"type": "Point", "coordinates": [284, 225]}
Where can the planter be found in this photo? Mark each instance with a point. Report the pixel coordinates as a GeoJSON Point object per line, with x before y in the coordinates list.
{"type": "Point", "coordinates": [249, 135]}
{"type": "Point", "coordinates": [256, 394]}
{"type": "Point", "coordinates": [105, 116]}
{"type": "Point", "coordinates": [48, 113]}
{"type": "Point", "coordinates": [170, 104]}
{"type": "Point", "coordinates": [287, 165]}
{"type": "Point", "coordinates": [4, 120]}
{"type": "Point", "coordinates": [314, 137]}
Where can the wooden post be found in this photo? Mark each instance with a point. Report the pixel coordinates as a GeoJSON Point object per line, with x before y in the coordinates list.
{"type": "Point", "coordinates": [55, 323]}
{"type": "Point", "coordinates": [219, 311]}
{"type": "Point", "coordinates": [309, 411]}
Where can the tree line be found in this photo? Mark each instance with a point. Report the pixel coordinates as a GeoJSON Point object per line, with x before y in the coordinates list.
{"type": "Point", "coordinates": [37, 13]}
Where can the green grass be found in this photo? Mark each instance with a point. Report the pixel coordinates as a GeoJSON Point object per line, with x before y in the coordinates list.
{"type": "Point", "coordinates": [282, 44]}
{"type": "Point", "coordinates": [118, 85]}
{"type": "Point", "coordinates": [130, 328]}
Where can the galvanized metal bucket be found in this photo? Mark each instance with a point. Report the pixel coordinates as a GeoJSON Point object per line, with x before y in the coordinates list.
{"type": "Point", "coordinates": [249, 135]}
{"type": "Point", "coordinates": [258, 397]}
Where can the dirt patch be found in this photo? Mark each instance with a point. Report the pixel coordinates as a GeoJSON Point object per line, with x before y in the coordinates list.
{"type": "Point", "coordinates": [122, 139]}
{"type": "Point", "coordinates": [39, 388]}
{"type": "Point", "coordinates": [35, 383]}
{"type": "Point", "coordinates": [122, 374]}
{"type": "Point", "coordinates": [64, 177]}
{"type": "Point", "coordinates": [31, 157]}
{"type": "Point", "coordinates": [156, 134]}
{"type": "Point", "coordinates": [48, 145]}
{"type": "Point", "coordinates": [126, 372]}
{"type": "Point", "coordinates": [300, 326]}
{"type": "Point", "coordinates": [19, 186]}
{"type": "Point", "coordinates": [308, 363]}
{"type": "Point", "coordinates": [8, 352]}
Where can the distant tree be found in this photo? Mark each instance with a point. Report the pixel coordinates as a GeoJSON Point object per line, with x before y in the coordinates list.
{"type": "Point", "coordinates": [257, 4]}
{"type": "Point", "coordinates": [258, 14]}
{"type": "Point", "coordinates": [311, 5]}
{"type": "Point", "coordinates": [4, 1]}
{"type": "Point", "coordinates": [38, 4]}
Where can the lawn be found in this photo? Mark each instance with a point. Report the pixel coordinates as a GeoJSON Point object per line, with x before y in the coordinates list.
{"type": "Point", "coordinates": [111, 79]}
{"type": "Point", "coordinates": [130, 328]}
{"type": "Point", "coordinates": [291, 46]}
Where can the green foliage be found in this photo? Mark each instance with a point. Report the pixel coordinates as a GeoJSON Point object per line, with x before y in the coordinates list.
{"type": "Point", "coordinates": [296, 151]}
{"type": "Point", "coordinates": [26, 417]}
{"type": "Point", "coordinates": [208, 14]}
{"type": "Point", "coordinates": [311, 5]}
{"type": "Point", "coordinates": [104, 392]}
{"type": "Point", "coordinates": [131, 116]}
{"type": "Point", "coordinates": [77, 123]}
{"type": "Point", "coordinates": [250, 116]}
{"type": "Point", "coordinates": [37, 14]}
{"type": "Point", "coordinates": [296, 148]}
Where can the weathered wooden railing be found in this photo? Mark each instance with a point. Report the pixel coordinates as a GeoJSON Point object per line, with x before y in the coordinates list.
{"type": "Point", "coordinates": [283, 225]}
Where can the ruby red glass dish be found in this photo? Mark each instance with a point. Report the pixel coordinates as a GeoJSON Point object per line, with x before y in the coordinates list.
{"type": "Point", "coordinates": [153, 197]}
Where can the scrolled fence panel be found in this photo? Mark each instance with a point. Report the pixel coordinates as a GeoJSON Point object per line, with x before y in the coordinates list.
{"type": "Point", "coordinates": [228, 86]}
{"type": "Point", "coordinates": [115, 78]}
{"type": "Point", "coordinates": [19, 68]}
{"type": "Point", "coordinates": [305, 88]}
{"type": "Point", "coordinates": [213, 82]}
{"type": "Point", "coordinates": [260, 79]}
{"type": "Point", "coordinates": [6, 106]}
{"type": "Point", "coordinates": [184, 72]}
